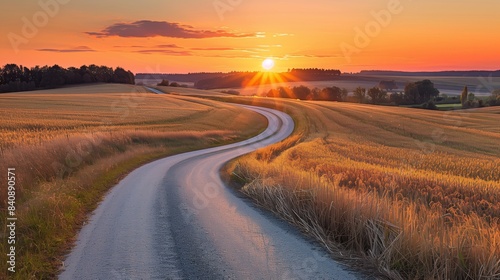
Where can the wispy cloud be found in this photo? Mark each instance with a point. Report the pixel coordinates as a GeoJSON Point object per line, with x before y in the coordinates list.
{"type": "Point", "coordinates": [249, 50]}
{"type": "Point", "coordinates": [71, 50]}
{"type": "Point", "coordinates": [269, 46]}
{"type": "Point", "coordinates": [214, 49]}
{"type": "Point", "coordinates": [148, 28]}
{"type": "Point", "coordinates": [282, 35]}
{"type": "Point", "coordinates": [165, 52]}
{"type": "Point", "coordinates": [311, 54]}
{"type": "Point", "coordinates": [170, 46]}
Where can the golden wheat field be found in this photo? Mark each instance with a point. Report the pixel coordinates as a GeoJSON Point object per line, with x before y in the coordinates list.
{"type": "Point", "coordinates": [417, 193]}
{"type": "Point", "coordinates": [69, 146]}
{"type": "Point", "coordinates": [33, 118]}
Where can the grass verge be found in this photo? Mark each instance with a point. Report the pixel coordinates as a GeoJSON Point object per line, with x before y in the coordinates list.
{"type": "Point", "coordinates": [53, 208]}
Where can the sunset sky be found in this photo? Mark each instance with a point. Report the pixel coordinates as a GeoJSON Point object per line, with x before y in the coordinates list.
{"type": "Point", "coordinates": [225, 35]}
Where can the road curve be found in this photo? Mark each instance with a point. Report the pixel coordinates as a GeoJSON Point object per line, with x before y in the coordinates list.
{"type": "Point", "coordinates": [153, 90]}
{"type": "Point", "coordinates": [175, 219]}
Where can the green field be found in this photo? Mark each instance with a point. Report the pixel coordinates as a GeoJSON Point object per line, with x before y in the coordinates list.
{"type": "Point", "coordinates": [449, 106]}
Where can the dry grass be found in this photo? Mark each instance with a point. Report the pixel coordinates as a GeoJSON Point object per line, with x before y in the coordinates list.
{"type": "Point", "coordinates": [69, 146]}
{"type": "Point", "coordinates": [417, 193]}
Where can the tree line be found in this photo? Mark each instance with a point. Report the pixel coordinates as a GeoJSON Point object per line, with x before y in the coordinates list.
{"type": "Point", "coordinates": [422, 94]}
{"type": "Point", "coordinates": [469, 99]}
{"type": "Point", "coordinates": [414, 93]}
{"type": "Point", "coordinates": [18, 78]}
{"type": "Point", "coordinates": [315, 71]}
{"type": "Point", "coordinates": [245, 79]}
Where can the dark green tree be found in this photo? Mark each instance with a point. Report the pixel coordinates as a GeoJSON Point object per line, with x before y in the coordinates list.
{"type": "Point", "coordinates": [377, 95]}
{"type": "Point", "coordinates": [121, 76]}
{"type": "Point", "coordinates": [360, 94]}
{"type": "Point", "coordinates": [53, 77]}
{"type": "Point", "coordinates": [301, 92]}
{"type": "Point", "coordinates": [344, 93]}
{"type": "Point", "coordinates": [464, 96]}
{"type": "Point", "coordinates": [420, 92]}
{"type": "Point", "coordinates": [330, 94]}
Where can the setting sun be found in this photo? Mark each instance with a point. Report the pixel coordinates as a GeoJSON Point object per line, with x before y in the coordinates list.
{"type": "Point", "coordinates": [268, 64]}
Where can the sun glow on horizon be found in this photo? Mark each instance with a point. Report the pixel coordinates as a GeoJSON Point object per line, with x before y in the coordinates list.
{"type": "Point", "coordinates": [268, 64]}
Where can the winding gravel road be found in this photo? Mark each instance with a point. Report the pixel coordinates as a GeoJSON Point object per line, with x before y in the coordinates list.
{"type": "Point", "coordinates": [175, 219]}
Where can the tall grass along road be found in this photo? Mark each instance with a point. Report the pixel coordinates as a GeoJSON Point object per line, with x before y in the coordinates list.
{"type": "Point", "coordinates": [173, 218]}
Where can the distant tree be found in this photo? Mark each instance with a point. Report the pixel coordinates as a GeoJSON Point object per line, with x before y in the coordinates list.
{"type": "Point", "coordinates": [19, 78]}
{"type": "Point", "coordinates": [12, 73]}
{"type": "Point", "coordinates": [388, 85]}
{"type": "Point", "coordinates": [164, 83]}
{"type": "Point", "coordinates": [471, 97]}
{"type": "Point", "coordinates": [330, 94]}
{"type": "Point", "coordinates": [344, 93]}
{"type": "Point", "coordinates": [86, 75]}
{"type": "Point", "coordinates": [285, 92]}
{"type": "Point", "coordinates": [420, 92]}
{"type": "Point", "coordinates": [377, 95]}
{"type": "Point", "coordinates": [360, 94]}
{"type": "Point", "coordinates": [175, 84]}
{"type": "Point", "coordinates": [464, 96]}
{"type": "Point", "coordinates": [494, 99]}
{"type": "Point", "coordinates": [426, 90]}
{"type": "Point", "coordinates": [398, 98]}
{"type": "Point", "coordinates": [74, 76]}
{"type": "Point", "coordinates": [37, 73]}
{"type": "Point", "coordinates": [121, 76]}
{"type": "Point", "coordinates": [301, 92]}
{"type": "Point", "coordinates": [16, 78]}
{"type": "Point", "coordinates": [53, 77]}
{"type": "Point", "coordinates": [106, 74]}
{"type": "Point", "coordinates": [87, 78]}
{"type": "Point", "coordinates": [495, 93]}
{"type": "Point", "coordinates": [272, 93]}
{"type": "Point", "coordinates": [411, 93]}
{"type": "Point", "coordinates": [280, 92]}
{"type": "Point", "coordinates": [315, 93]}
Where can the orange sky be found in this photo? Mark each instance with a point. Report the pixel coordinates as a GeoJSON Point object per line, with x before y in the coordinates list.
{"type": "Point", "coordinates": [225, 35]}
